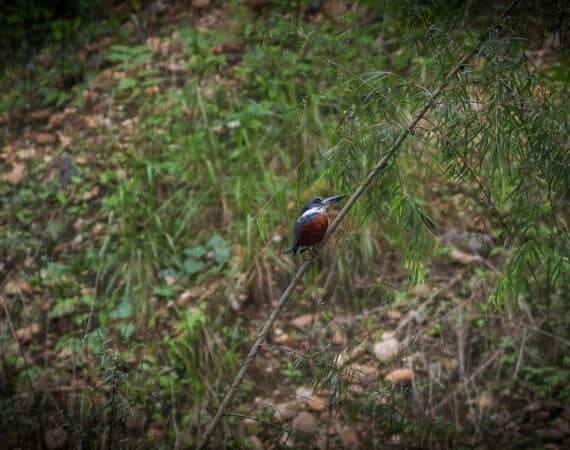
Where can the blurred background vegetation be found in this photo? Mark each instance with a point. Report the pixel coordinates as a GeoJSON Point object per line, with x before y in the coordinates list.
{"type": "Point", "coordinates": [154, 157]}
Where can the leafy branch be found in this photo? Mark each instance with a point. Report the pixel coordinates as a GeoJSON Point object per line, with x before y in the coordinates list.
{"type": "Point", "coordinates": [364, 185]}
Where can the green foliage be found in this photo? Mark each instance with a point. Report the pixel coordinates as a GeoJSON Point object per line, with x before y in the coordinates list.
{"type": "Point", "coordinates": [27, 25]}
{"type": "Point", "coordinates": [184, 353]}
{"type": "Point", "coordinates": [550, 381]}
{"type": "Point", "coordinates": [219, 247]}
{"type": "Point", "coordinates": [134, 62]}
{"type": "Point", "coordinates": [40, 52]}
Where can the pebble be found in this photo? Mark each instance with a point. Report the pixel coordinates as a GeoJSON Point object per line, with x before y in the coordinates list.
{"type": "Point", "coordinates": [285, 411]}
{"type": "Point", "coordinates": [303, 320]}
{"type": "Point", "coordinates": [316, 403]}
{"type": "Point", "coordinates": [26, 334]}
{"type": "Point", "coordinates": [400, 376]}
{"type": "Point", "coordinates": [349, 438]}
{"type": "Point", "coordinates": [304, 392]}
{"type": "Point", "coordinates": [305, 422]}
{"type": "Point", "coordinates": [386, 349]}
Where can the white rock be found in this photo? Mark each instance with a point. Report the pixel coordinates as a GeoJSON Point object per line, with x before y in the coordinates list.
{"type": "Point", "coordinates": [304, 392]}
{"type": "Point", "coordinates": [386, 349]}
{"type": "Point", "coordinates": [285, 411]}
{"type": "Point", "coordinates": [305, 422]}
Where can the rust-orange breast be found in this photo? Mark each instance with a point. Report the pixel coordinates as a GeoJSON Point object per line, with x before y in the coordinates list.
{"type": "Point", "coordinates": [313, 231]}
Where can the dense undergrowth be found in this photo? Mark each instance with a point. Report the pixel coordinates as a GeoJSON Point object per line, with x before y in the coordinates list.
{"type": "Point", "coordinates": [152, 168]}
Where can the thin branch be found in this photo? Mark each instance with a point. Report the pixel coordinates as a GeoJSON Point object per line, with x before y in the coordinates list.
{"type": "Point", "coordinates": [364, 185]}
{"type": "Point", "coordinates": [468, 381]}
{"type": "Point", "coordinates": [264, 422]}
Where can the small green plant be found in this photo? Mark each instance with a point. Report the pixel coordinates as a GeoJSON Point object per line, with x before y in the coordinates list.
{"type": "Point", "coordinates": [217, 246]}
{"type": "Point", "coordinates": [549, 382]}
{"type": "Point", "coordinates": [133, 62]}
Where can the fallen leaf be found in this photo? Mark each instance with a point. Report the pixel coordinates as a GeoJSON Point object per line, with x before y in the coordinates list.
{"type": "Point", "coordinates": [40, 114]}
{"type": "Point", "coordinates": [90, 195]}
{"type": "Point", "coordinates": [349, 355]}
{"type": "Point", "coordinates": [419, 290]}
{"type": "Point", "coordinates": [16, 175]}
{"type": "Point", "coordinates": [485, 400]}
{"type": "Point", "coordinates": [191, 295]}
{"type": "Point", "coordinates": [367, 373]}
{"type": "Point", "coordinates": [154, 44]}
{"type": "Point", "coordinates": [26, 153]}
{"type": "Point", "coordinates": [25, 334]}
{"type": "Point", "coordinates": [540, 57]}
{"type": "Point", "coordinates": [88, 291]}
{"type": "Point", "coordinates": [7, 149]}
{"type": "Point", "coordinates": [248, 421]}
{"type": "Point", "coordinates": [128, 125]}
{"type": "Point", "coordinates": [394, 315]}
{"type": "Point", "coordinates": [176, 67]}
{"type": "Point", "coordinates": [199, 4]}
{"type": "Point", "coordinates": [65, 140]}
{"type": "Point", "coordinates": [17, 287]}
{"type": "Point", "coordinates": [56, 120]}
{"type": "Point", "coordinates": [65, 353]}
{"type": "Point", "coordinates": [223, 47]}
{"type": "Point", "coordinates": [151, 90]}
{"type": "Point", "coordinates": [98, 229]}
{"type": "Point", "coordinates": [46, 138]}
{"type": "Point", "coordinates": [93, 121]}
{"type": "Point", "coordinates": [76, 242]}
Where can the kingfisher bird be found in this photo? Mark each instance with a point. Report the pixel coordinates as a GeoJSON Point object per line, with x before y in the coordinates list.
{"type": "Point", "coordinates": [312, 223]}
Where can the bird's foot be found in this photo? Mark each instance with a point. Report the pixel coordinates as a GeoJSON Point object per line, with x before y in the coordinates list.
{"type": "Point", "coordinates": [313, 251]}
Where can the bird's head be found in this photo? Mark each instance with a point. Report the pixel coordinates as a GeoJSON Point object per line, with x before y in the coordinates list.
{"type": "Point", "coordinates": [319, 204]}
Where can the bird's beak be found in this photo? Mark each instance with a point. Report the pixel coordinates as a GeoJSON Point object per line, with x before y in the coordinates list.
{"type": "Point", "coordinates": [333, 199]}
